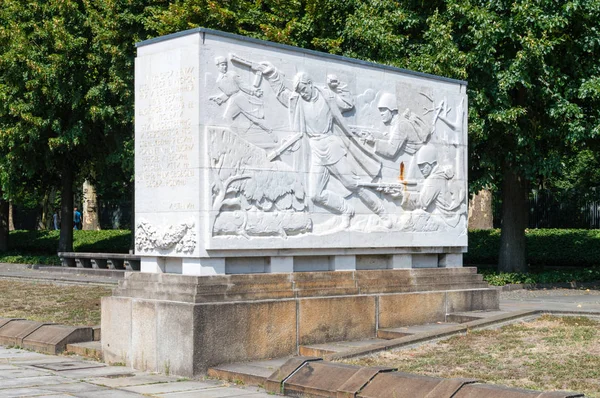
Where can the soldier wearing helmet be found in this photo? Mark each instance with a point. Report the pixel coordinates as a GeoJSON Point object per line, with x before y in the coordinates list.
{"type": "Point", "coordinates": [407, 131]}
{"type": "Point", "coordinates": [434, 196]}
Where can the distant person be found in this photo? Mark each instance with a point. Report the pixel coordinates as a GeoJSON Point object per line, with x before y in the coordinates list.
{"type": "Point", "coordinates": [55, 220]}
{"type": "Point", "coordinates": [76, 219]}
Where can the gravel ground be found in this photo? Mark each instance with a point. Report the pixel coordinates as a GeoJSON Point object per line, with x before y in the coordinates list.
{"type": "Point", "coordinates": [525, 293]}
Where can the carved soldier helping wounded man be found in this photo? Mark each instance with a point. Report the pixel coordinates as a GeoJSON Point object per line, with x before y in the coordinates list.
{"type": "Point", "coordinates": [235, 93]}
{"type": "Point", "coordinates": [325, 145]}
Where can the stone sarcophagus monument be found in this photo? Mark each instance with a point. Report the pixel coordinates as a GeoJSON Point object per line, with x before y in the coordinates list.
{"type": "Point", "coordinates": [286, 197]}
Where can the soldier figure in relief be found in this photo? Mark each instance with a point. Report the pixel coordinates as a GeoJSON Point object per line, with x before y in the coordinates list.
{"type": "Point", "coordinates": [435, 197]}
{"type": "Point", "coordinates": [326, 145]}
{"type": "Point", "coordinates": [407, 131]}
{"type": "Point", "coordinates": [236, 93]}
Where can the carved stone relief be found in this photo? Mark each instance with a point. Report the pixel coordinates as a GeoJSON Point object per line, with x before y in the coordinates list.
{"type": "Point", "coordinates": [328, 167]}
{"type": "Point", "coordinates": [179, 238]}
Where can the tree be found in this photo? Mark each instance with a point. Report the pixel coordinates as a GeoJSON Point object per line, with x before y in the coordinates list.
{"type": "Point", "coordinates": [66, 95]}
{"type": "Point", "coordinates": [533, 90]}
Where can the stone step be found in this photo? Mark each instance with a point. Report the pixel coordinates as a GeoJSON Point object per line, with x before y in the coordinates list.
{"type": "Point", "coordinates": [396, 333]}
{"type": "Point", "coordinates": [89, 349]}
{"type": "Point", "coordinates": [319, 350]}
{"type": "Point", "coordinates": [250, 373]}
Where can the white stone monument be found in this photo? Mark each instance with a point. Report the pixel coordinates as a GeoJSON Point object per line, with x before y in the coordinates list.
{"type": "Point", "coordinates": [258, 157]}
{"type": "Point", "coordinates": [255, 161]}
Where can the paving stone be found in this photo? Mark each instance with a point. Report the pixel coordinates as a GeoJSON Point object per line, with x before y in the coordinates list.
{"type": "Point", "coordinates": [75, 388]}
{"type": "Point", "coordinates": [109, 394]}
{"type": "Point", "coordinates": [221, 392]}
{"type": "Point", "coordinates": [26, 392]}
{"type": "Point", "coordinates": [22, 372]}
{"type": "Point", "coordinates": [135, 380]}
{"type": "Point", "coordinates": [105, 371]}
{"type": "Point", "coordinates": [31, 382]}
{"type": "Point", "coordinates": [182, 386]}
{"type": "Point", "coordinates": [69, 365]}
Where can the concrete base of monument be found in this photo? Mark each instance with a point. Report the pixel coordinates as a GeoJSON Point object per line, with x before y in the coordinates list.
{"type": "Point", "coordinates": [182, 325]}
{"type": "Point", "coordinates": [299, 261]}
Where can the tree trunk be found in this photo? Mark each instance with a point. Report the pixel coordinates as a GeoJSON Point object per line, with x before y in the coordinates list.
{"type": "Point", "coordinates": [11, 223]}
{"type": "Point", "coordinates": [90, 207]}
{"type": "Point", "coordinates": [515, 213]}
{"type": "Point", "coordinates": [480, 210]}
{"type": "Point", "coordinates": [65, 243]}
{"type": "Point", "coordinates": [4, 210]}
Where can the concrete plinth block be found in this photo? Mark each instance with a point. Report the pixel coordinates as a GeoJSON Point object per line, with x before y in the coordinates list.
{"type": "Point", "coordinates": [14, 332]}
{"type": "Point", "coordinates": [4, 321]}
{"type": "Point", "coordinates": [97, 331]}
{"type": "Point", "coordinates": [473, 300]}
{"type": "Point", "coordinates": [397, 310]}
{"type": "Point", "coordinates": [335, 319]}
{"type": "Point", "coordinates": [450, 260]}
{"type": "Point", "coordinates": [343, 263]}
{"type": "Point", "coordinates": [359, 380]}
{"type": "Point", "coordinates": [424, 260]}
{"type": "Point", "coordinates": [282, 264]}
{"type": "Point", "coordinates": [560, 394]}
{"type": "Point", "coordinates": [176, 330]}
{"type": "Point", "coordinates": [116, 329]}
{"type": "Point", "coordinates": [400, 261]}
{"type": "Point", "coordinates": [400, 385]}
{"type": "Point", "coordinates": [230, 332]}
{"type": "Point", "coordinates": [448, 387]}
{"type": "Point", "coordinates": [274, 382]}
{"type": "Point", "coordinates": [203, 266]}
{"type": "Point", "coordinates": [143, 335]}
{"type": "Point", "coordinates": [53, 339]}
{"type": "Point", "coordinates": [490, 391]}
{"type": "Point", "coordinates": [100, 263]}
{"type": "Point", "coordinates": [322, 379]}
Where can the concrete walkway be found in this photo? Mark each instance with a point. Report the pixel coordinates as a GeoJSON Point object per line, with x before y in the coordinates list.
{"type": "Point", "coordinates": [27, 374]}
{"type": "Point", "coordinates": [61, 274]}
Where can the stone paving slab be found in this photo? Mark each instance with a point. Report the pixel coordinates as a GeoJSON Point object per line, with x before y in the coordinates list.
{"type": "Point", "coordinates": [68, 365]}
{"type": "Point", "coordinates": [30, 392]}
{"type": "Point", "coordinates": [76, 387]}
{"type": "Point", "coordinates": [32, 382]}
{"type": "Point", "coordinates": [182, 386]}
{"type": "Point", "coordinates": [135, 380]}
{"type": "Point", "coordinates": [23, 377]}
{"type": "Point", "coordinates": [16, 373]}
{"type": "Point", "coordinates": [220, 392]}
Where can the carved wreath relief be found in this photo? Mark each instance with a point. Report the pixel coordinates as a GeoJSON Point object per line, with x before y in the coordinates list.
{"type": "Point", "coordinates": [337, 161]}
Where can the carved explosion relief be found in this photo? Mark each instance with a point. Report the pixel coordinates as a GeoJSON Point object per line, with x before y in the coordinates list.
{"type": "Point", "coordinates": [327, 167]}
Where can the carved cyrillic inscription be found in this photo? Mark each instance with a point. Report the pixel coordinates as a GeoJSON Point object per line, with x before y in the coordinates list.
{"type": "Point", "coordinates": [165, 141]}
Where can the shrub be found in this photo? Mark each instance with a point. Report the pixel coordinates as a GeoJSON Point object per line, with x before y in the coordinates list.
{"type": "Point", "coordinates": [545, 247]}
{"type": "Point", "coordinates": [46, 242]}
{"type": "Point", "coordinates": [556, 276]}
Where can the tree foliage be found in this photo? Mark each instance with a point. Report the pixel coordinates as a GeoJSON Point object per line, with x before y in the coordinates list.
{"type": "Point", "coordinates": [66, 81]}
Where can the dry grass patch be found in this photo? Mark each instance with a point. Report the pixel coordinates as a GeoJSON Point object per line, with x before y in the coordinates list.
{"type": "Point", "coordinates": [549, 353]}
{"type": "Point", "coordinates": [62, 304]}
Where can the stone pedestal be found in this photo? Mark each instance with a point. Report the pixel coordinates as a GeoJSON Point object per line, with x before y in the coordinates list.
{"type": "Point", "coordinates": [182, 325]}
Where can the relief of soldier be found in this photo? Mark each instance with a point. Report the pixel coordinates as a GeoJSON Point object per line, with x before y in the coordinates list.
{"type": "Point", "coordinates": [325, 149]}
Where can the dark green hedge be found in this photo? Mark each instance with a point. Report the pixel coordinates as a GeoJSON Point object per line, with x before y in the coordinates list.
{"type": "Point", "coordinates": [545, 247]}
{"type": "Point", "coordinates": [46, 242]}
